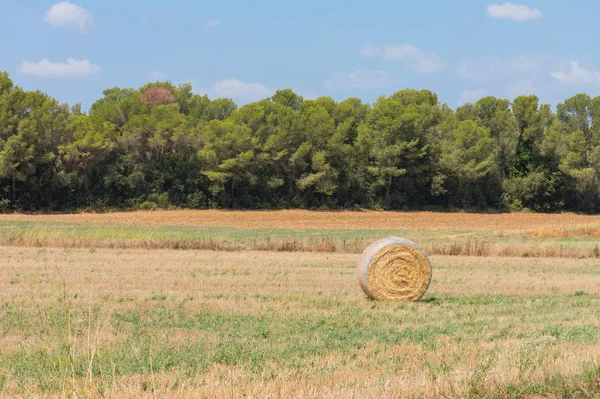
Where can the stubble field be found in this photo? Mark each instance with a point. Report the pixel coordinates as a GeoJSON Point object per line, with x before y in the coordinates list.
{"type": "Point", "coordinates": [103, 306]}
{"type": "Point", "coordinates": [521, 235]}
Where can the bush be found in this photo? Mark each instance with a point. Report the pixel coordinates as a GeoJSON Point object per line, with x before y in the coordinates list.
{"type": "Point", "coordinates": [160, 200]}
{"type": "Point", "coordinates": [6, 206]}
{"type": "Point", "coordinates": [196, 200]}
{"type": "Point", "coordinates": [147, 206]}
{"type": "Point", "coordinates": [538, 191]}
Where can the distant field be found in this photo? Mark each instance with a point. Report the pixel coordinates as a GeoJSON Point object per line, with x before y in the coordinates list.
{"type": "Point", "coordinates": [137, 323]}
{"type": "Point", "coordinates": [529, 235]}
{"type": "Point", "coordinates": [299, 219]}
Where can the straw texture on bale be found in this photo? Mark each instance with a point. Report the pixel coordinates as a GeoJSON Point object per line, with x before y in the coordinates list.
{"type": "Point", "coordinates": [394, 269]}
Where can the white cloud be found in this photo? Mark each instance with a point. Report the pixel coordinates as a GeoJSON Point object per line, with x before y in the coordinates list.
{"type": "Point", "coordinates": [241, 92]}
{"type": "Point", "coordinates": [487, 68]}
{"type": "Point", "coordinates": [71, 16]}
{"type": "Point", "coordinates": [359, 80]}
{"type": "Point", "coordinates": [575, 74]}
{"type": "Point", "coordinates": [212, 23]}
{"type": "Point", "coordinates": [413, 57]}
{"type": "Point", "coordinates": [369, 51]}
{"type": "Point", "coordinates": [158, 75]}
{"type": "Point", "coordinates": [515, 12]}
{"type": "Point", "coordinates": [470, 96]}
{"type": "Point", "coordinates": [72, 69]}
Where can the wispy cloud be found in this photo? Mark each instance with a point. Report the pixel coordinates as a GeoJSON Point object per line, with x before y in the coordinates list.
{"type": "Point", "coordinates": [488, 68]}
{"type": "Point", "coordinates": [411, 56]}
{"type": "Point", "coordinates": [514, 12]}
{"type": "Point", "coordinates": [70, 16]}
{"type": "Point", "coordinates": [470, 96]}
{"type": "Point", "coordinates": [72, 69]}
{"type": "Point", "coordinates": [242, 92]}
{"type": "Point", "coordinates": [573, 73]}
{"type": "Point", "coordinates": [359, 80]}
{"type": "Point", "coordinates": [212, 24]}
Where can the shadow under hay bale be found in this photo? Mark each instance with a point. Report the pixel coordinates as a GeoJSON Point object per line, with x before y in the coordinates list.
{"type": "Point", "coordinates": [394, 269]}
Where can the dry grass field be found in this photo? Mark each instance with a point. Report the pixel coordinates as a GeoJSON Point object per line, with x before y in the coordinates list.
{"type": "Point", "coordinates": [301, 219]}
{"type": "Point", "coordinates": [520, 235]}
{"type": "Point", "coordinates": [91, 320]}
{"type": "Point", "coordinates": [131, 323]}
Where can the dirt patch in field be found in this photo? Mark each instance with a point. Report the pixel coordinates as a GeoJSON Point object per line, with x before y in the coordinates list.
{"type": "Point", "coordinates": [298, 219]}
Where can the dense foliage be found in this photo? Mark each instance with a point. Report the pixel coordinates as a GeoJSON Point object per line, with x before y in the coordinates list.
{"type": "Point", "coordinates": [163, 145]}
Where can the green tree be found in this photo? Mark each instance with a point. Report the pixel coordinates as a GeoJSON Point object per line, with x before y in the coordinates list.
{"type": "Point", "coordinates": [227, 156]}
{"type": "Point", "coordinates": [469, 160]}
{"type": "Point", "coordinates": [118, 106]}
{"type": "Point", "coordinates": [92, 142]}
{"type": "Point", "coordinates": [219, 108]}
{"type": "Point", "coordinates": [287, 98]}
{"type": "Point", "coordinates": [496, 115]}
{"type": "Point", "coordinates": [311, 161]}
{"type": "Point", "coordinates": [272, 125]}
{"type": "Point", "coordinates": [573, 144]}
{"type": "Point", "coordinates": [394, 148]}
{"type": "Point", "coordinates": [532, 121]}
{"type": "Point", "coordinates": [16, 161]}
{"type": "Point", "coordinates": [36, 126]}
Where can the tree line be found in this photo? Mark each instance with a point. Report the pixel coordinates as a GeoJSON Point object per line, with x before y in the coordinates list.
{"type": "Point", "coordinates": [165, 146]}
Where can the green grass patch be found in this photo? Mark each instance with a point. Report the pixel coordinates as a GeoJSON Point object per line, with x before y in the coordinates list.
{"type": "Point", "coordinates": [212, 337]}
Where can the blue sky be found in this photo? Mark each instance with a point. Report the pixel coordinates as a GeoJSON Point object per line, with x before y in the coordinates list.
{"type": "Point", "coordinates": [462, 50]}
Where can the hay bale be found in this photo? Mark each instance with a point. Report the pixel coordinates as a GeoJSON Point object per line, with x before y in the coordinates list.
{"type": "Point", "coordinates": [394, 269]}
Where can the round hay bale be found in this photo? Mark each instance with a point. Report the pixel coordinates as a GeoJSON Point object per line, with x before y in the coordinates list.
{"type": "Point", "coordinates": [394, 269]}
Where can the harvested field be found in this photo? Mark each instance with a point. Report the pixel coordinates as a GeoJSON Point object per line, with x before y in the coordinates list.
{"type": "Point", "coordinates": [526, 235]}
{"type": "Point", "coordinates": [298, 219]}
{"type": "Point", "coordinates": [136, 323]}
{"type": "Point", "coordinates": [218, 303]}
